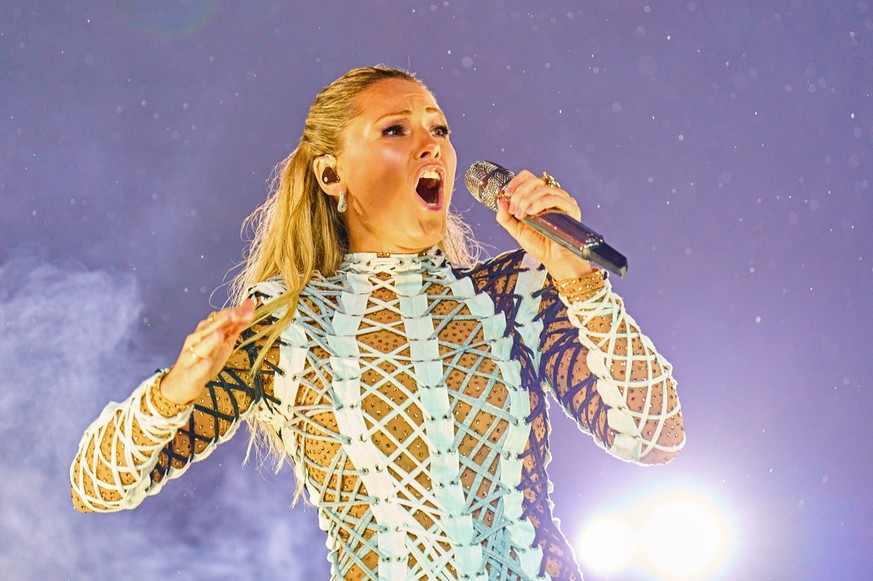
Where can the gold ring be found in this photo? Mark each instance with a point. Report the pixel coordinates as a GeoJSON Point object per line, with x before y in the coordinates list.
{"type": "Point", "coordinates": [550, 181]}
{"type": "Point", "coordinates": [197, 357]}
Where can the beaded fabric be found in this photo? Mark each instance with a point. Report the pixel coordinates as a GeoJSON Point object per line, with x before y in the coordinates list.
{"type": "Point", "coordinates": [411, 397]}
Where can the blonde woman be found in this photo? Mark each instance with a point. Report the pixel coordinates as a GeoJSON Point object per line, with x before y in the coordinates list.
{"type": "Point", "coordinates": [407, 387]}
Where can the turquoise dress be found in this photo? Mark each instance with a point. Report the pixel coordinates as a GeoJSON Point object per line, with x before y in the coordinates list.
{"type": "Point", "coordinates": [411, 397]}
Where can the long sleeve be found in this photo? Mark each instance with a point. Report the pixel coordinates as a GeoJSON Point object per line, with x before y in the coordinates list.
{"type": "Point", "coordinates": [134, 447]}
{"type": "Point", "coordinates": [606, 374]}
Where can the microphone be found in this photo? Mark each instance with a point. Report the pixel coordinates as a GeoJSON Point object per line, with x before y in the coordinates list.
{"type": "Point", "coordinates": [486, 180]}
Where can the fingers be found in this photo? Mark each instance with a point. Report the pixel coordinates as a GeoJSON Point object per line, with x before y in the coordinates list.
{"type": "Point", "coordinates": [529, 195]}
{"type": "Point", "coordinates": [231, 321]}
{"type": "Point", "coordinates": [213, 332]}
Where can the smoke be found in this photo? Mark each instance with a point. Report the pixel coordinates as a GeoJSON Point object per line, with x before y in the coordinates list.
{"type": "Point", "coordinates": [68, 346]}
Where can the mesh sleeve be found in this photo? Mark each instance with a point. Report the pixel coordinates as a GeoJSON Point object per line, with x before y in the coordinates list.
{"type": "Point", "coordinates": [137, 445]}
{"type": "Point", "coordinates": [607, 375]}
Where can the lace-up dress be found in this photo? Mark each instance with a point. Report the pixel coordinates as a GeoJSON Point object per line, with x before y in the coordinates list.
{"type": "Point", "coordinates": [412, 398]}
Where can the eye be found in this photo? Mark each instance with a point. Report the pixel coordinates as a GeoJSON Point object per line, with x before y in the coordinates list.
{"type": "Point", "coordinates": [442, 130]}
{"type": "Point", "coordinates": [393, 130]}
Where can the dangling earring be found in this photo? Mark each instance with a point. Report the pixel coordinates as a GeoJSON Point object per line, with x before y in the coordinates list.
{"type": "Point", "coordinates": [342, 204]}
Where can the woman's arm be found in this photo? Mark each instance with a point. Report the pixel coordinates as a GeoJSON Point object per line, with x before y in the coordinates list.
{"type": "Point", "coordinates": [134, 447]}
{"type": "Point", "coordinates": [606, 374]}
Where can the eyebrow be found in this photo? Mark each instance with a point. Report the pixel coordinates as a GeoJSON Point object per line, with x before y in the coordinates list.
{"type": "Point", "coordinates": [407, 112]}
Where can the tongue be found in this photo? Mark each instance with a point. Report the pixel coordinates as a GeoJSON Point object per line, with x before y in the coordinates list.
{"type": "Point", "coordinates": [428, 189]}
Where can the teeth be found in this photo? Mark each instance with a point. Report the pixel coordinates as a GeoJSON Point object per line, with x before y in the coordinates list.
{"type": "Point", "coordinates": [431, 174]}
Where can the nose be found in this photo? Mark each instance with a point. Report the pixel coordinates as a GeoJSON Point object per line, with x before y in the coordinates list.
{"type": "Point", "coordinates": [429, 146]}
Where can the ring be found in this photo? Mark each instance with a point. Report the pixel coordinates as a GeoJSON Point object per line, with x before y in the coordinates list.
{"type": "Point", "coordinates": [550, 181]}
{"type": "Point", "coordinates": [197, 357]}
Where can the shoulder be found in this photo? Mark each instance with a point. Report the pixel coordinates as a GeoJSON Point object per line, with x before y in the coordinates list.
{"type": "Point", "coordinates": [267, 291]}
{"type": "Point", "coordinates": [503, 271]}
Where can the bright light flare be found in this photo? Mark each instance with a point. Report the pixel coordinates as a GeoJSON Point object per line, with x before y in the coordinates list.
{"type": "Point", "coordinates": [675, 535]}
{"type": "Point", "coordinates": [607, 544]}
{"type": "Point", "coordinates": [685, 537]}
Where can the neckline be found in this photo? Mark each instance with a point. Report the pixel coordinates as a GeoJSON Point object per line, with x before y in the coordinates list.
{"type": "Point", "coordinates": [372, 262]}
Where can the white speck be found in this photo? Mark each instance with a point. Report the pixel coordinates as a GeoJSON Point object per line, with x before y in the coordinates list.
{"type": "Point", "coordinates": [681, 137]}
{"type": "Point", "coordinates": [751, 270]}
{"type": "Point", "coordinates": [466, 62]}
{"type": "Point", "coordinates": [650, 179]}
{"type": "Point", "coordinates": [647, 9]}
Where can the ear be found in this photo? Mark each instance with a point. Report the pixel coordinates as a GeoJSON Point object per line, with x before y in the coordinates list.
{"type": "Point", "coordinates": [324, 168]}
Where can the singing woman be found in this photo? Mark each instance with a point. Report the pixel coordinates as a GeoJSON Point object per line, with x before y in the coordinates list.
{"type": "Point", "coordinates": [407, 383]}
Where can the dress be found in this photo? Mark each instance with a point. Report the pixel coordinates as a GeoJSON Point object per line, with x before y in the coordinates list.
{"type": "Point", "coordinates": [412, 399]}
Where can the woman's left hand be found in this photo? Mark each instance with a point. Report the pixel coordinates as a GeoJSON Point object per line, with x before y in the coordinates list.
{"type": "Point", "coordinates": [528, 195]}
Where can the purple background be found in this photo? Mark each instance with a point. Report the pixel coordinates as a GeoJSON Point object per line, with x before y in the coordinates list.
{"type": "Point", "coordinates": [724, 147]}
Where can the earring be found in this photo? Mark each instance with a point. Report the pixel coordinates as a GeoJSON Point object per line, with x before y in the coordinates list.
{"type": "Point", "coordinates": [342, 204]}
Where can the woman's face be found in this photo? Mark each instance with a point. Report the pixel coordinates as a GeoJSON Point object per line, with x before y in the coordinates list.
{"type": "Point", "coordinates": [397, 168]}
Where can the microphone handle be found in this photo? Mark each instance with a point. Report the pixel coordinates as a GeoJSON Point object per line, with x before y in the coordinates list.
{"type": "Point", "coordinates": [580, 240]}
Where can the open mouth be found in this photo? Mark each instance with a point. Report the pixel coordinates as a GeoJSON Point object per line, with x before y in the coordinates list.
{"type": "Point", "coordinates": [428, 188]}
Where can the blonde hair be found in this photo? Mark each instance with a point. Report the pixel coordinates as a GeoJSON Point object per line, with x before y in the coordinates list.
{"type": "Point", "coordinates": [298, 230]}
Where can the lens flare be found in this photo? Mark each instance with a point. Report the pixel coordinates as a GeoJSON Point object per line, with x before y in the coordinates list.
{"type": "Point", "coordinates": [685, 537]}
{"type": "Point", "coordinates": [675, 535]}
{"type": "Point", "coordinates": [166, 19]}
{"type": "Point", "coordinates": [607, 544]}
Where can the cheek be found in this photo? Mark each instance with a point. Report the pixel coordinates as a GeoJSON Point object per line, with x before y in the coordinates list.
{"type": "Point", "coordinates": [385, 169]}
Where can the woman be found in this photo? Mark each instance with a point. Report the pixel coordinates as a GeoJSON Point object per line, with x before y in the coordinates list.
{"type": "Point", "coordinates": [409, 392]}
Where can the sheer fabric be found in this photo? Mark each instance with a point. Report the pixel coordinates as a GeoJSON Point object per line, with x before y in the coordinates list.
{"type": "Point", "coordinates": [411, 397]}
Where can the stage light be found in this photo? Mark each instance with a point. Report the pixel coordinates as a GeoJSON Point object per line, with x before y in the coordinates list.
{"type": "Point", "coordinates": [607, 544]}
{"type": "Point", "coordinates": [684, 537]}
{"type": "Point", "coordinates": [680, 534]}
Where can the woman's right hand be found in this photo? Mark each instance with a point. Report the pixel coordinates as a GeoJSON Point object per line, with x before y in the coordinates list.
{"type": "Point", "coordinates": [205, 352]}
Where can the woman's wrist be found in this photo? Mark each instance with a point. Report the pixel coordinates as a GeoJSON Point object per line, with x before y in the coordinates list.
{"type": "Point", "coordinates": [164, 399]}
{"type": "Point", "coordinates": [581, 288]}
{"type": "Point", "coordinates": [574, 267]}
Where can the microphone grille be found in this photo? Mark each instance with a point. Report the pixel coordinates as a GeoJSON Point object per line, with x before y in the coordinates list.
{"type": "Point", "coordinates": [485, 180]}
